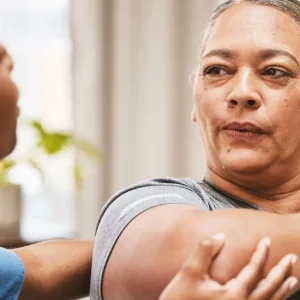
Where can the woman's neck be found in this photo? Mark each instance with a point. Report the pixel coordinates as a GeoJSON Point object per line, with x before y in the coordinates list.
{"type": "Point", "coordinates": [282, 199]}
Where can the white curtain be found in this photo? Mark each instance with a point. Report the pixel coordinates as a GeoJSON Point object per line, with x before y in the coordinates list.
{"type": "Point", "coordinates": [132, 98]}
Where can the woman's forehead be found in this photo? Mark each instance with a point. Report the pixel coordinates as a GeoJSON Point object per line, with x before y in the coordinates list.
{"type": "Point", "coordinates": [248, 26]}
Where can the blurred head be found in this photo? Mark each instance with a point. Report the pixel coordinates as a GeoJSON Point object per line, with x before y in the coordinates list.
{"type": "Point", "coordinates": [8, 105]}
{"type": "Point", "coordinates": [247, 90]}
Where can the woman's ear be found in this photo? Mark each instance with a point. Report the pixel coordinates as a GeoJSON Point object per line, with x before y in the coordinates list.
{"type": "Point", "coordinates": [194, 115]}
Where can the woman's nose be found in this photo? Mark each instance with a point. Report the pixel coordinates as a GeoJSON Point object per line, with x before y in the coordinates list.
{"type": "Point", "coordinates": [244, 92]}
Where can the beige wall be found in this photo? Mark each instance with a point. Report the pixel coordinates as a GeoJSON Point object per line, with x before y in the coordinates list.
{"type": "Point", "coordinates": [131, 93]}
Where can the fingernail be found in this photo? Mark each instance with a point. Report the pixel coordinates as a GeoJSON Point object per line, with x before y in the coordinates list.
{"type": "Point", "coordinates": [293, 283]}
{"type": "Point", "coordinates": [218, 237]}
{"type": "Point", "coordinates": [293, 258]}
{"type": "Point", "coordinates": [265, 242]}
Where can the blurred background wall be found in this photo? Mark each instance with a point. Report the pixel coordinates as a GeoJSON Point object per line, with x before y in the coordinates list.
{"type": "Point", "coordinates": [38, 37]}
{"type": "Point", "coordinates": [116, 72]}
{"type": "Point", "coordinates": [131, 64]}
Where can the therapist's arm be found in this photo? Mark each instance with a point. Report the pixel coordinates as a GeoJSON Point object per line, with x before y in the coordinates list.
{"type": "Point", "coordinates": [155, 244]}
{"type": "Point", "coordinates": [56, 270]}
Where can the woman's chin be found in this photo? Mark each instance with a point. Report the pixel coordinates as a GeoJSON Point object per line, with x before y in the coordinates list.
{"type": "Point", "coordinates": [246, 162]}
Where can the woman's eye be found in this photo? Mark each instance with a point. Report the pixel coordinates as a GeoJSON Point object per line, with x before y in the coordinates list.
{"type": "Point", "coordinates": [215, 71]}
{"type": "Point", "coordinates": [276, 73]}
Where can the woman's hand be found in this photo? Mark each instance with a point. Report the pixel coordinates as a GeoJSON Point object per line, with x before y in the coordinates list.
{"type": "Point", "coordinates": [194, 283]}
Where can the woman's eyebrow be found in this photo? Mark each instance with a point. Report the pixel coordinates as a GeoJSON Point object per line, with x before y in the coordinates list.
{"type": "Point", "coordinates": [270, 53]}
{"type": "Point", "coordinates": [224, 53]}
{"type": "Point", "coordinates": [263, 54]}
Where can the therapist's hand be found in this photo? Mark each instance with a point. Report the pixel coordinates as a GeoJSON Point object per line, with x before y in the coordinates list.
{"type": "Point", "coordinates": [193, 281]}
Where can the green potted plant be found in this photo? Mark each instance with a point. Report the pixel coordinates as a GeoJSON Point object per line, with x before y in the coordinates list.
{"type": "Point", "coordinates": [50, 143]}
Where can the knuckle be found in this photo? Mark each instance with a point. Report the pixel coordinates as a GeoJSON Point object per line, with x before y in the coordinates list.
{"type": "Point", "coordinates": [191, 271]}
{"type": "Point", "coordinates": [256, 262]}
{"type": "Point", "coordinates": [250, 268]}
{"type": "Point", "coordinates": [205, 244]}
{"type": "Point", "coordinates": [267, 284]}
{"type": "Point", "coordinates": [253, 270]}
{"type": "Point", "coordinates": [264, 282]}
{"type": "Point", "coordinates": [234, 291]}
{"type": "Point", "coordinates": [188, 269]}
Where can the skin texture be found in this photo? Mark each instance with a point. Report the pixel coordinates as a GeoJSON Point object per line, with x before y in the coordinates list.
{"type": "Point", "coordinates": [250, 78]}
{"type": "Point", "coordinates": [247, 88]}
{"type": "Point", "coordinates": [154, 246]}
{"type": "Point", "coordinates": [56, 269]}
{"type": "Point", "coordinates": [193, 281]}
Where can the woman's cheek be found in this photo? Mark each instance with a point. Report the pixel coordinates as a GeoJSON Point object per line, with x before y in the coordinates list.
{"type": "Point", "coordinates": [210, 112]}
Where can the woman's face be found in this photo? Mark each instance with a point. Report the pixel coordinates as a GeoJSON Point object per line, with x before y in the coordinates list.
{"type": "Point", "coordinates": [8, 105]}
{"type": "Point", "coordinates": [247, 92]}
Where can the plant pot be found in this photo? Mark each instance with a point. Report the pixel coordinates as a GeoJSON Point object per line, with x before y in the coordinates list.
{"type": "Point", "coordinates": [10, 212]}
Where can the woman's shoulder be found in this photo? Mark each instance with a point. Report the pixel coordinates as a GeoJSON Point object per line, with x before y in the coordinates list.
{"type": "Point", "coordinates": [152, 192]}
{"type": "Point", "coordinates": [133, 200]}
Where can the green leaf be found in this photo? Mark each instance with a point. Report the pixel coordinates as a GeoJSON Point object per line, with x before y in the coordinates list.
{"type": "Point", "coordinates": [53, 143]}
{"type": "Point", "coordinates": [8, 164]}
{"type": "Point", "coordinates": [37, 126]}
{"type": "Point", "coordinates": [50, 142]}
{"type": "Point", "coordinates": [5, 166]}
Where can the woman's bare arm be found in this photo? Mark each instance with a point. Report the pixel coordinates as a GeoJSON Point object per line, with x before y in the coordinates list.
{"type": "Point", "coordinates": [56, 270]}
{"type": "Point", "coordinates": [155, 244]}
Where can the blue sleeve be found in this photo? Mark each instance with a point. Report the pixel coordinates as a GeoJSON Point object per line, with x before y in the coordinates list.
{"type": "Point", "coordinates": [12, 275]}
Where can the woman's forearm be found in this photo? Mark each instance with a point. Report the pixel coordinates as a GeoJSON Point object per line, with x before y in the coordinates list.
{"type": "Point", "coordinates": [56, 270]}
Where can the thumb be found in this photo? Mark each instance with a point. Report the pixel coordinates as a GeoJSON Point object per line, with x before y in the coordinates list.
{"type": "Point", "coordinates": [197, 265]}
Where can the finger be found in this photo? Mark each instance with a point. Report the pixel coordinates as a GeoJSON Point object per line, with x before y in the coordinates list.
{"type": "Point", "coordinates": [286, 290]}
{"type": "Point", "coordinates": [268, 286]}
{"type": "Point", "coordinates": [252, 273]}
{"type": "Point", "coordinates": [200, 260]}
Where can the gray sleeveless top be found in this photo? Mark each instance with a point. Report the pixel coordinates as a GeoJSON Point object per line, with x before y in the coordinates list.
{"type": "Point", "coordinates": [123, 207]}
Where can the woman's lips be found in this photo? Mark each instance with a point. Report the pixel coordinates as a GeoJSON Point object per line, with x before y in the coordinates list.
{"type": "Point", "coordinates": [245, 131]}
{"type": "Point", "coordinates": [243, 135]}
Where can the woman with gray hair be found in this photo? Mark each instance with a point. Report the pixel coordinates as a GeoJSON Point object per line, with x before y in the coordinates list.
{"type": "Point", "coordinates": [247, 103]}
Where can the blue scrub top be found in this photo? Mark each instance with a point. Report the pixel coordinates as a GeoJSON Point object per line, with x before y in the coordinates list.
{"type": "Point", "coordinates": [12, 275]}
